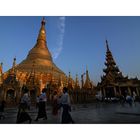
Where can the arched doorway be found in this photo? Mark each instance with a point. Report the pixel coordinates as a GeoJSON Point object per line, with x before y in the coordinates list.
{"type": "Point", "coordinates": [10, 97]}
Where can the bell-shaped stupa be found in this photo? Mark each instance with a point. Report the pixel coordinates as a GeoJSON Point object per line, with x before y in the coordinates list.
{"type": "Point", "coordinates": [40, 59]}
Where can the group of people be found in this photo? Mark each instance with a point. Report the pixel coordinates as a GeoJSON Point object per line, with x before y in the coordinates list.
{"type": "Point", "coordinates": [60, 106]}
{"type": "Point", "coordinates": [130, 99]}
{"type": "Point", "coordinates": [123, 98]}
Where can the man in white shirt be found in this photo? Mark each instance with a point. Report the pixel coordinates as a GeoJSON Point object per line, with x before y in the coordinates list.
{"type": "Point", "coordinates": [65, 102]}
{"type": "Point", "coordinates": [65, 99]}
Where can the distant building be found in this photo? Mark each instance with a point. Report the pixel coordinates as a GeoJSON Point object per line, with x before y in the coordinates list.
{"type": "Point", "coordinates": [113, 83]}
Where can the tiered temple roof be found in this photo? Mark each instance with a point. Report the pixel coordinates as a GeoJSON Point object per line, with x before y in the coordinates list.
{"type": "Point", "coordinates": [112, 72]}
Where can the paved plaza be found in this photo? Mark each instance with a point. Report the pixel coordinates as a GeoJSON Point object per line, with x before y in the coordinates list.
{"type": "Point", "coordinates": [93, 113]}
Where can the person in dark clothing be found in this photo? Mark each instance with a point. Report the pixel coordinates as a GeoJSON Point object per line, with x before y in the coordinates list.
{"type": "Point", "coordinates": [2, 107]}
{"type": "Point", "coordinates": [23, 115]}
{"type": "Point", "coordinates": [42, 106]}
{"type": "Point", "coordinates": [65, 103]}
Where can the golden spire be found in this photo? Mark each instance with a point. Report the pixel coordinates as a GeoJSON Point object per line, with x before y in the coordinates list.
{"type": "Point", "coordinates": [41, 40]}
{"type": "Point", "coordinates": [12, 70]}
{"type": "Point", "coordinates": [70, 82]}
{"type": "Point", "coordinates": [1, 72]}
{"type": "Point", "coordinates": [77, 86]}
{"type": "Point", "coordinates": [14, 62]}
{"type": "Point", "coordinates": [87, 82]}
{"type": "Point", "coordinates": [82, 80]}
{"type": "Point", "coordinates": [69, 79]}
{"type": "Point", "coordinates": [1, 68]}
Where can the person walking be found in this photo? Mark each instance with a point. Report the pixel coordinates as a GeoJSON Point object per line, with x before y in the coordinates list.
{"type": "Point", "coordinates": [65, 103]}
{"type": "Point", "coordinates": [129, 100]}
{"type": "Point", "coordinates": [42, 106]}
{"type": "Point", "coordinates": [24, 106]}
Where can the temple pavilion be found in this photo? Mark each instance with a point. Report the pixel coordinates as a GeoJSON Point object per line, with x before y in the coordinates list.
{"type": "Point", "coordinates": [113, 82]}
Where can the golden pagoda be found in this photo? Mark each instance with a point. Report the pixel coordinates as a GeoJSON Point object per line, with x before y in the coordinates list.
{"type": "Point", "coordinates": [35, 72]}
{"type": "Point", "coordinates": [40, 55]}
{"type": "Point", "coordinates": [70, 82]}
{"type": "Point", "coordinates": [77, 85]}
{"type": "Point", "coordinates": [87, 84]}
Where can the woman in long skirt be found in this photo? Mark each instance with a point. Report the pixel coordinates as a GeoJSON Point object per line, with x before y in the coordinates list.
{"type": "Point", "coordinates": [66, 116]}
{"type": "Point", "coordinates": [23, 115]}
{"type": "Point", "coordinates": [42, 106]}
{"type": "Point", "coordinates": [41, 111]}
{"type": "Point", "coordinates": [65, 103]}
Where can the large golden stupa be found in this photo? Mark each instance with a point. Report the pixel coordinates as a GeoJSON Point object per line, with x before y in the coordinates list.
{"type": "Point", "coordinates": [39, 61]}
{"type": "Point", "coordinates": [40, 56]}
{"type": "Point", "coordinates": [35, 72]}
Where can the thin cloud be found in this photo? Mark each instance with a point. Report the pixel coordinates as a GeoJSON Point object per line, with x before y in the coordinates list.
{"type": "Point", "coordinates": [61, 28]}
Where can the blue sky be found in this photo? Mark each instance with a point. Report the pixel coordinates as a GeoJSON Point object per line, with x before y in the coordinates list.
{"type": "Point", "coordinates": [75, 42]}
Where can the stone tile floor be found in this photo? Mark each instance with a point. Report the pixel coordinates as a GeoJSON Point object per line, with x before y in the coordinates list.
{"type": "Point", "coordinates": [93, 113]}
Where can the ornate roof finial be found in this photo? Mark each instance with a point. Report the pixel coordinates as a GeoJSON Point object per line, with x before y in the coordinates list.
{"type": "Point", "coordinates": [14, 62]}
{"type": "Point", "coordinates": [69, 75]}
{"type": "Point", "coordinates": [70, 81]}
{"type": "Point", "coordinates": [43, 22]}
{"type": "Point", "coordinates": [86, 68]}
{"type": "Point", "coordinates": [87, 84]}
{"type": "Point", "coordinates": [107, 46]}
